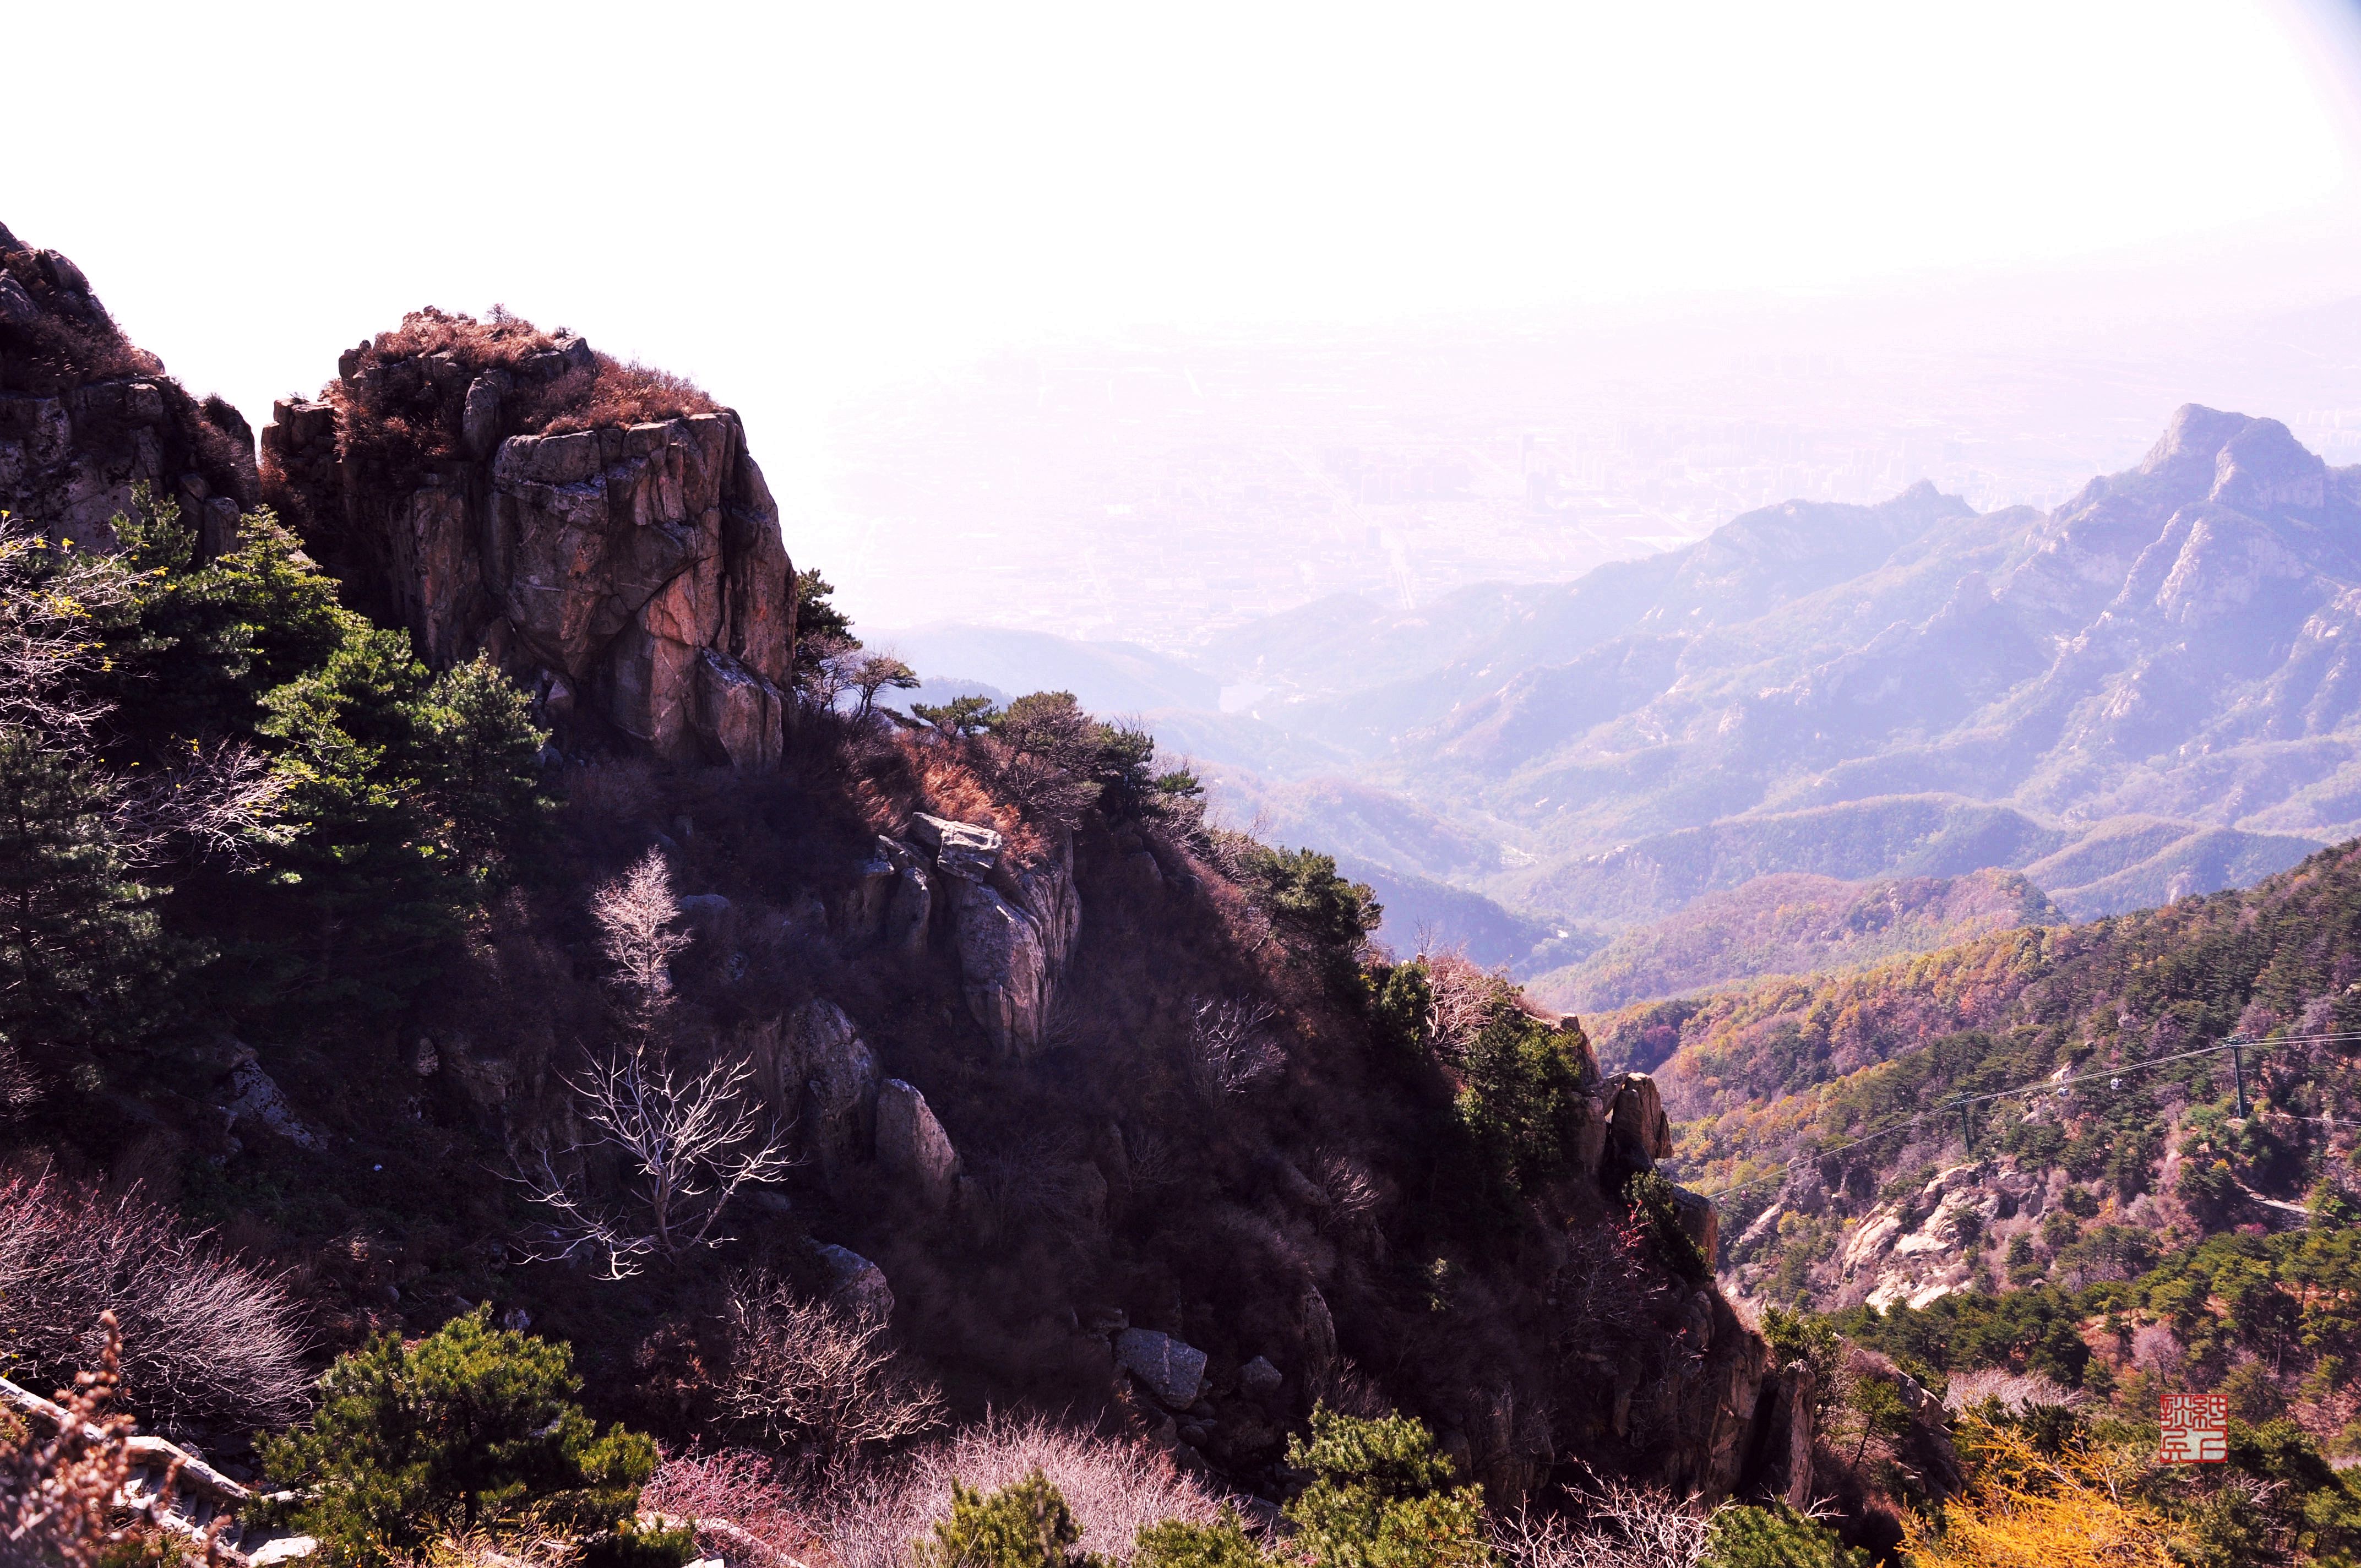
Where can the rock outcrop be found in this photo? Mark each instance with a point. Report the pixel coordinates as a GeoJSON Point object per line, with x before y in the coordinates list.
{"type": "Point", "coordinates": [632, 573]}
{"type": "Point", "coordinates": [1012, 928]}
{"type": "Point", "coordinates": [913, 1146]}
{"type": "Point", "coordinates": [86, 417]}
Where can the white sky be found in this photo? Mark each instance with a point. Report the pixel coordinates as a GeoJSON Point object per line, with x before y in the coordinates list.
{"type": "Point", "coordinates": [794, 203]}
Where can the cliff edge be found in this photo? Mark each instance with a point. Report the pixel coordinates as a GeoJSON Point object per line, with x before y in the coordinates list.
{"type": "Point", "coordinates": [598, 529]}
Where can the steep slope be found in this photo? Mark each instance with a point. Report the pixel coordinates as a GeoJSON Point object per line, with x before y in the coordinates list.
{"type": "Point", "coordinates": [85, 415]}
{"type": "Point", "coordinates": [1112, 1115]}
{"type": "Point", "coordinates": [1823, 1106]}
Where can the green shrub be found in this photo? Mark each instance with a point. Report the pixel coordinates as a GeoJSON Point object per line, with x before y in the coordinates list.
{"type": "Point", "coordinates": [474, 1430]}
{"type": "Point", "coordinates": [1382, 1496]}
{"type": "Point", "coordinates": [1776, 1537]}
{"type": "Point", "coordinates": [1026, 1524]}
{"type": "Point", "coordinates": [1650, 1198]}
{"type": "Point", "coordinates": [1177, 1543]}
{"type": "Point", "coordinates": [1302, 893]}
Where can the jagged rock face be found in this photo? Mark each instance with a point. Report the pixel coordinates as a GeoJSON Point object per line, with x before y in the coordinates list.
{"type": "Point", "coordinates": [85, 416]}
{"type": "Point", "coordinates": [634, 575]}
{"type": "Point", "coordinates": [1013, 929]}
{"type": "Point", "coordinates": [911, 1145]}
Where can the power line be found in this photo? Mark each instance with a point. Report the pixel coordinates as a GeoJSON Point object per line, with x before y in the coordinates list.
{"type": "Point", "coordinates": [2036, 1086]}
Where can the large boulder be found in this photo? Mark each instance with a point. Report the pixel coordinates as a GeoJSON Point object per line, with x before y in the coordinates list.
{"type": "Point", "coordinates": [633, 574]}
{"type": "Point", "coordinates": [1174, 1372]}
{"type": "Point", "coordinates": [1013, 928]}
{"type": "Point", "coordinates": [1004, 967]}
{"type": "Point", "coordinates": [911, 1145]}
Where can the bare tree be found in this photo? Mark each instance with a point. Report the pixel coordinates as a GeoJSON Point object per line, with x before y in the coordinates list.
{"type": "Point", "coordinates": [217, 803]}
{"type": "Point", "coordinates": [639, 931]}
{"type": "Point", "coordinates": [826, 674]}
{"type": "Point", "coordinates": [52, 598]}
{"type": "Point", "coordinates": [819, 1372]}
{"type": "Point", "coordinates": [1463, 997]}
{"type": "Point", "coordinates": [689, 1143]}
{"type": "Point", "coordinates": [1230, 1049]}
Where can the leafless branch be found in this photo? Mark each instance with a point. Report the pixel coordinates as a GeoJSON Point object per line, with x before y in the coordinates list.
{"type": "Point", "coordinates": [640, 932]}
{"type": "Point", "coordinates": [1230, 1049]}
{"type": "Point", "coordinates": [217, 803]}
{"type": "Point", "coordinates": [51, 600]}
{"type": "Point", "coordinates": [819, 1371]}
{"type": "Point", "coordinates": [689, 1143]}
{"type": "Point", "coordinates": [1619, 1525]}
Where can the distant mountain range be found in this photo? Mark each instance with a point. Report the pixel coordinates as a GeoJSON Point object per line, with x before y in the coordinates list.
{"type": "Point", "coordinates": [2148, 691]}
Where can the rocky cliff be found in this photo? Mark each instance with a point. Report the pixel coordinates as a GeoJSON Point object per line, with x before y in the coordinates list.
{"type": "Point", "coordinates": [598, 529]}
{"type": "Point", "coordinates": [85, 416]}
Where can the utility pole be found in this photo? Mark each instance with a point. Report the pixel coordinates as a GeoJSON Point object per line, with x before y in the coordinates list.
{"type": "Point", "coordinates": [2239, 1070]}
{"type": "Point", "coordinates": [1968, 1128]}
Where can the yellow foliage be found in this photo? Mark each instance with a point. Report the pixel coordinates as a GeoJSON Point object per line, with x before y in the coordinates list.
{"type": "Point", "coordinates": [2026, 1509]}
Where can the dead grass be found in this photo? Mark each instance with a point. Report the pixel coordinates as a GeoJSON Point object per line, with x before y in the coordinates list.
{"type": "Point", "coordinates": [55, 350]}
{"type": "Point", "coordinates": [402, 407]}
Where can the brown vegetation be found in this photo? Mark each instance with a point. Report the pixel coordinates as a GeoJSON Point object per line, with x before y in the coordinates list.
{"type": "Point", "coordinates": [62, 1479]}
{"type": "Point", "coordinates": [819, 1372]}
{"type": "Point", "coordinates": [212, 1341]}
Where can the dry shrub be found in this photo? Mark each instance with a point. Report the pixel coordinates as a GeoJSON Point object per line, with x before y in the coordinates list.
{"type": "Point", "coordinates": [1039, 1184]}
{"type": "Point", "coordinates": [1116, 1486]}
{"type": "Point", "coordinates": [210, 1339]}
{"type": "Point", "coordinates": [61, 1478]}
{"type": "Point", "coordinates": [736, 1486]}
{"type": "Point", "coordinates": [403, 419]}
{"type": "Point", "coordinates": [948, 787]}
{"type": "Point", "coordinates": [61, 346]}
{"type": "Point", "coordinates": [616, 391]}
{"type": "Point", "coordinates": [503, 341]}
{"type": "Point", "coordinates": [2017, 1392]}
{"type": "Point", "coordinates": [825, 1374]}
{"type": "Point", "coordinates": [1619, 1525]}
{"type": "Point", "coordinates": [1230, 1049]}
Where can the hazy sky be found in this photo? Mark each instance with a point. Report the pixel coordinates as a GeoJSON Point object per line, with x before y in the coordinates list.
{"type": "Point", "coordinates": [790, 202]}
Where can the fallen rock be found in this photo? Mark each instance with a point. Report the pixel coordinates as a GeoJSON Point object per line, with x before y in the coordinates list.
{"type": "Point", "coordinates": [1169, 1369]}
{"type": "Point", "coordinates": [1259, 1378]}
{"type": "Point", "coordinates": [911, 1145]}
{"type": "Point", "coordinates": [256, 1099]}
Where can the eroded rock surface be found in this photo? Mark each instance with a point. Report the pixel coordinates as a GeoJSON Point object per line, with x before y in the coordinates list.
{"type": "Point", "coordinates": [85, 417]}
{"type": "Point", "coordinates": [634, 575]}
{"type": "Point", "coordinates": [911, 1145]}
